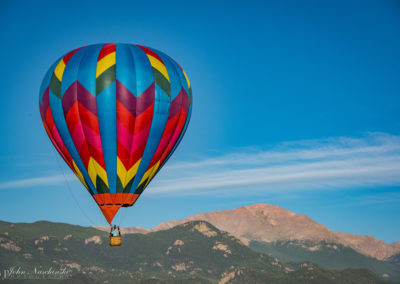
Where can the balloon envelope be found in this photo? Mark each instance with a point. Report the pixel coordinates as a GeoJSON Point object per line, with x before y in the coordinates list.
{"type": "Point", "coordinates": [115, 113]}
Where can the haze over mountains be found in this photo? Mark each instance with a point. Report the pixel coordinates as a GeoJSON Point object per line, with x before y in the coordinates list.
{"type": "Point", "coordinates": [270, 223]}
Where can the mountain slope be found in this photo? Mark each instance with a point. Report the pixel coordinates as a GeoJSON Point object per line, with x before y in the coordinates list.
{"type": "Point", "coordinates": [194, 252]}
{"type": "Point", "coordinates": [296, 238]}
{"type": "Point", "coordinates": [370, 245]}
{"type": "Point", "coordinates": [269, 223]}
{"type": "Point", "coordinates": [395, 259]}
{"type": "Point", "coordinates": [329, 255]}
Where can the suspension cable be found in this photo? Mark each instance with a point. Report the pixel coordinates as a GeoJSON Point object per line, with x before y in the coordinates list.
{"type": "Point", "coordinates": [70, 190]}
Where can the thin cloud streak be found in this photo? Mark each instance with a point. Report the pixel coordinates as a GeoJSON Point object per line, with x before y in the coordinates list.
{"type": "Point", "coordinates": [38, 181]}
{"type": "Point", "coordinates": [342, 162]}
{"type": "Point", "coordinates": [373, 143]}
{"type": "Point", "coordinates": [373, 160]}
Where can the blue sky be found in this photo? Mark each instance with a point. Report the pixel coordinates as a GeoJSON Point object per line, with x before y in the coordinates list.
{"type": "Point", "coordinates": [296, 103]}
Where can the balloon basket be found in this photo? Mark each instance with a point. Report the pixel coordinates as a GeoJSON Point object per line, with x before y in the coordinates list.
{"type": "Point", "coordinates": [115, 241]}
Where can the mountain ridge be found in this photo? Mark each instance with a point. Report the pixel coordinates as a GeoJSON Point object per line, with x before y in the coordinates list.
{"type": "Point", "coordinates": [271, 223]}
{"type": "Point", "coordinates": [193, 252]}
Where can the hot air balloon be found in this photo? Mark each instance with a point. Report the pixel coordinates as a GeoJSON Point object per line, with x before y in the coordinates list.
{"type": "Point", "coordinates": [115, 113]}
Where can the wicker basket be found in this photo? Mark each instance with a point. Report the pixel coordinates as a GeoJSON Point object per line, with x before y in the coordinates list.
{"type": "Point", "coordinates": [115, 241]}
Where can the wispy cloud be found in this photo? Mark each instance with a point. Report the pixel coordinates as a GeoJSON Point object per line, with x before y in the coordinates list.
{"type": "Point", "coordinates": [37, 181]}
{"type": "Point", "coordinates": [341, 162]}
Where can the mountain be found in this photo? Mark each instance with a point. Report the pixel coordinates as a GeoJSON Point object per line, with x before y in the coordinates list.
{"type": "Point", "coordinates": [293, 237]}
{"type": "Point", "coordinates": [329, 255]}
{"type": "Point", "coordinates": [370, 245]}
{"type": "Point", "coordinates": [193, 252]}
{"type": "Point", "coordinates": [395, 259]}
{"type": "Point", "coordinates": [269, 223]}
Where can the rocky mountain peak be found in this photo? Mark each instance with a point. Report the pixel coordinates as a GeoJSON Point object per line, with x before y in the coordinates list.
{"type": "Point", "coordinates": [271, 223]}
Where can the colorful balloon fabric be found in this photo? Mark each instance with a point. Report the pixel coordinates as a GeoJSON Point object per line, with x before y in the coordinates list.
{"type": "Point", "coordinates": [115, 113]}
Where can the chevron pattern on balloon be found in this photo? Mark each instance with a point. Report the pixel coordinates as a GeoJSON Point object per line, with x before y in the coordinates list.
{"type": "Point", "coordinates": [134, 118]}
{"type": "Point", "coordinates": [55, 82]}
{"type": "Point", "coordinates": [106, 69]}
{"type": "Point", "coordinates": [160, 72]}
{"type": "Point", "coordinates": [80, 113]}
{"type": "Point", "coordinates": [52, 132]}
{"type": "Point", "coordinates": [176, 121]}
{"type": "Point", "coordinates": [187, 82]}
